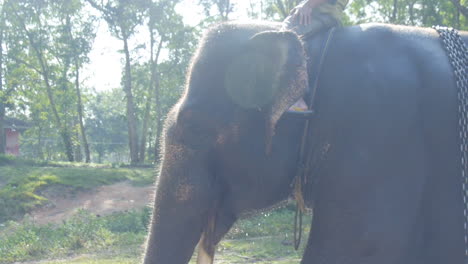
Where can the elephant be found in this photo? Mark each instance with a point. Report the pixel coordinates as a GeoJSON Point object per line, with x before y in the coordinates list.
{"type": "Point", "coordinates": [385, 186]}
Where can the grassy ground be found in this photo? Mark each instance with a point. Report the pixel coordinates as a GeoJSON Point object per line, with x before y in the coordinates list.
{"type": "Point", "coordinates": [22, 182]}
{"type": "Point", "coordinates": [118, 238]}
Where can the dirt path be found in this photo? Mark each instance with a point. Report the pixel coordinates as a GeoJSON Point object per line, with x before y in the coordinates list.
{"type": "Point", "coordinates": [101, 201]}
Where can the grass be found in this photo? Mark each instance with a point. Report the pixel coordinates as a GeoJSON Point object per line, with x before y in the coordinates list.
{"type": "Point", "coordinates": [22, 182]}
{"type": "Point", "coordinates": [83, 233]}
{"type": "Point", "coordinates": [118, 238]}
{"type": "Point", "coordinates": [96, 260]}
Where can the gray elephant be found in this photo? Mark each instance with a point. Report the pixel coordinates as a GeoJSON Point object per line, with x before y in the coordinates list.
{"type": "Point", "coordinates": [386, 184]}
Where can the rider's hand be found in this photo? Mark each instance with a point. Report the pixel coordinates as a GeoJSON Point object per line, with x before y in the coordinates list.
{"type": "Point", "coordinates": [303, 12]}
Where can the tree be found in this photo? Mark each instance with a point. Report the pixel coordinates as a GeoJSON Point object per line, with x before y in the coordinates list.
{"type": "Point", "coordinates": [4, 93]}
{"type": "Point", "coordinates": [462, 8]}
{"type": "Point", "coordinates": [223, 8]}
{"type": "Point", "coordinates": [122, 17]}
{"type": "Point", "coordinates": [410, 12]}
{"type": "Point", "coordinates": [166, 30]}
{"type": "Point", "coordinates": [52, 40]}
{"type": "Point", "coordinates": [39, 35]}
{"type": "Point", "coordinates": [77, 32]}
{"type": "Point", "coordinates": [106, 123]}
{"type": "Point", "coordinates": [153, 86]}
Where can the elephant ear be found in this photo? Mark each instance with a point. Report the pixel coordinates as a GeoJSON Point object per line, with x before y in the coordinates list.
{"type": "Point", "coordinates": [270, 74]}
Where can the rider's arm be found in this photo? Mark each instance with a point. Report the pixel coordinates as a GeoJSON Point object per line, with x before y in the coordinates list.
{"type": "Point", "coordinates": [304, 10]}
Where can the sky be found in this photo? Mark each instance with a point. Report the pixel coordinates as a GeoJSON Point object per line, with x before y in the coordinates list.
{"type": "Point", "coordinates": [105, 67]}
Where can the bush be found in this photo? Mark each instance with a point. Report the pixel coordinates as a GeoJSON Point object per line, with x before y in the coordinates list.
{"type": "Point", "coordinates": [6, 159]}
{"type": "Point", "coordinates": [133, 221]}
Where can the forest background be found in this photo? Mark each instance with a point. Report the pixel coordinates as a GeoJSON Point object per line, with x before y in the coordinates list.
{"type": "Point", "coordinates": [49, 48]}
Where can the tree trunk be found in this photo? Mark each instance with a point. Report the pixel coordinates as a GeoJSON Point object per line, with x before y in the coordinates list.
{"type": "Point", "coordinates": [80, 113]}
{"type": "Point", "coordinates": [153, 64]}
{"type": "Point", "coordinates": [411, 12]}
{"type": "Point", "coordinates": [144, 130]}
{"type": "Point", "coordinates": [281, 8]}
{"type": "Point", "coordinates": [131, 118]}
{"type": "Point", "coordinates": [424, 13]}
{"type": "Point", "coordinates": [2, 98]}
{"type": "Point", "coordinates": [395, 11]}
{"type": "Point", "coordinates": [2, 129]}
{"type": "Point", "coordinates": [462, 9]}
{"type": "Point", "coordinates": [74, 55]}
{"type": "Point", "coordinates": [64, 133]}
{"type": "Point", "coordinates": [224, 9]}
{"type": "Point", "coordinates": [40, 152]}
{"type": "Point", "coordinates": [157, 143]}
{"type": "Point", "coordinates": [78, 154]}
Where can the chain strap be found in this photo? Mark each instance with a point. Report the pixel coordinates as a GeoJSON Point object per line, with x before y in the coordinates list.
{"type": "Point", "coordinates": [458, 55]}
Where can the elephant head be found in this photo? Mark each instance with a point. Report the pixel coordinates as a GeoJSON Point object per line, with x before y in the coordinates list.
{"type": "Point", "coordinates": [220, 147]}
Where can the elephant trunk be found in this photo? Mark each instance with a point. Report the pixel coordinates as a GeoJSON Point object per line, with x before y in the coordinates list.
{"type": "Point", "coordinates": [184, 199]}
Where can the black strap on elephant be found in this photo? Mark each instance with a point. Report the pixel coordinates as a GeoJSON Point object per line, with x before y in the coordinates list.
{"type": "Point", "coordinates": [305, 160]}
{"type": "Point", "coordinates": [457, 52]}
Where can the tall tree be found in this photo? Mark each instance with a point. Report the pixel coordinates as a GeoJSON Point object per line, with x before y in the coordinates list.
{"type": "Point", "coordinates": [33, 18]}
{"type": "Point", "coordinates": [411, 12]}
{"type": "Point", "coordinates": [395, 11]}
{"type": "Point", "coordinates": [276, 10]}
{"type": "Point", "coordinates": [78, 35]}
{"type": "Point", "coordinates": [3, 91]}
{"type": "Point", "coordinates": [223, 8]}
{"type": "Point", "coordinates": [166, 30]}
{"type": "Point", "coordinates": [107, 124]}
{"type": "Point", "coordinates": [461, 8]}
{"type": "Point", "coordinates": [153, 88]}
{"type": "Point", "coordinates": [122, 17]}
{"type": "Point", "coordinates": [155, 14]}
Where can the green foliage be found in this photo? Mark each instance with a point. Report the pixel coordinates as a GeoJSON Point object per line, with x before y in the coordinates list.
{"type": "Point", "coordinates": [223, 8]}
{"type": "Point", "coordinates": [101, 259]}
{"type": "Point", "coordinates": [406, 12]}
{"type": "Point", "coordinates": [133, 222]}
{"type": "Point", "coordinates": [42, 53]}
{"type": "Point", "coordinates": [409, 12]}
{"type": "Point", "coordinates": [106, 123]}
{"type": "Point", "coordinates": [6, 159]}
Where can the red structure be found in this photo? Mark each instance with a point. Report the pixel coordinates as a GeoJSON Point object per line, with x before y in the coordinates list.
{"type": "Point", "coordinates": [12, 142]}
{"type": "Point", "coordinates": [13, 128]}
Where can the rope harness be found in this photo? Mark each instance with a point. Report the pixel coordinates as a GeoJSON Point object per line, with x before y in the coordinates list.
{"type": "Point", "coordinates": [458, 55]}
{"type": "Point", "coordinates": [305, 154]}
